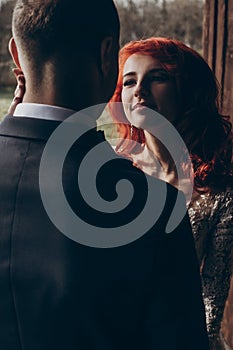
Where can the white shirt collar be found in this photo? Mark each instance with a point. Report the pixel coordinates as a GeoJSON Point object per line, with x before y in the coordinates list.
{"type": "Point", "coordinates": [42, 111]}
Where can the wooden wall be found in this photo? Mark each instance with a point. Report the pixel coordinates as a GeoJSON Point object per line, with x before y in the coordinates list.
{"type": "Point", "coordinates": [218, 51]}
{"type": "Point", "coordinates": [218, 47]}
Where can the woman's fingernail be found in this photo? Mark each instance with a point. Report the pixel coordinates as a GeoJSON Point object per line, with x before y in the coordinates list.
{"type": "Point", "coordinates": [17, 99]}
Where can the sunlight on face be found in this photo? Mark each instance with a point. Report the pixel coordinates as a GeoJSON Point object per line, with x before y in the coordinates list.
{"type": "Point", "coordinates": [146, 84]}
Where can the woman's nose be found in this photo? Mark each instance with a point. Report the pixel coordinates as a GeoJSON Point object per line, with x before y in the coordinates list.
{"type": "Point", "coordinates": [141, 90]}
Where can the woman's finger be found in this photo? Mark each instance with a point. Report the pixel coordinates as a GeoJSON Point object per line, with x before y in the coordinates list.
{"type": "Point", "coordinates": [19, 91]}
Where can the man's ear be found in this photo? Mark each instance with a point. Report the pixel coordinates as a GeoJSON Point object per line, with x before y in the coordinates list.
{"type": "Point", "coordinates": [107, 52]}
{"type": "Point", "coordinates": [14, 52]}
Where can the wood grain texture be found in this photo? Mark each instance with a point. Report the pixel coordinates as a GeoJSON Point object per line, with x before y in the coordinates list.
{"type": "Point", "coordinates": [218, 47]}
{"type": "Point", "coordinates": [218, 52]}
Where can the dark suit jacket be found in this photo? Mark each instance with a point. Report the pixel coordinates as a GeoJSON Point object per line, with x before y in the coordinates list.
{"type": "Point", "coordinates": [57, 294]}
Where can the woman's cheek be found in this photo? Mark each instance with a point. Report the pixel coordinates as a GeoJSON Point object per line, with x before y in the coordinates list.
{"type": "Point", "coordinates": [125, 102]}
{"type": "Point", "coordinates": [126, 110]}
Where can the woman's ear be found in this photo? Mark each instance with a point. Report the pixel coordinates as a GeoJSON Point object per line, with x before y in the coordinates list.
{"type": "Point", "coordinates": [14, 52]}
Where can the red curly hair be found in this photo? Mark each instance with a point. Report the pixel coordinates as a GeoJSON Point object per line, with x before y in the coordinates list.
{"type": "Point", "coordinates": [206, 133]}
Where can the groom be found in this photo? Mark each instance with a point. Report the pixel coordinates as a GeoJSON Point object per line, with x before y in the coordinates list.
{"type": "Point", "coordinates": [57, 291]}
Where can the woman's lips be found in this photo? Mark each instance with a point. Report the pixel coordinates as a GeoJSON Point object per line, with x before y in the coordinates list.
{"type": "Point", "coordinates": [143, 106]}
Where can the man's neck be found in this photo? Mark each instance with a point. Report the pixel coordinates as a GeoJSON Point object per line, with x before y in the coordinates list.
{"type": "Point", "coordinates": [71, 98]}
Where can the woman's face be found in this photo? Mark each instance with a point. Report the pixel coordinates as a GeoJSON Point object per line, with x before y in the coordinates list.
{"type": "Point", "coordinates": [147, 85]}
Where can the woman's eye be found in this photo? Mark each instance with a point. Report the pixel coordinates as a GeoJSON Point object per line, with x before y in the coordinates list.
{"type": "Point", "coordinates": [129, 82]}
{"type": "Point", "coordinates": [159, 78]}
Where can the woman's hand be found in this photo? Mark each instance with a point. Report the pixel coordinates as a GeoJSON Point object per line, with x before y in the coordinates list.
{"type": "Point", "coordinates": [164, 158]}
{"type": "Point", "coordinates": [19, 91]}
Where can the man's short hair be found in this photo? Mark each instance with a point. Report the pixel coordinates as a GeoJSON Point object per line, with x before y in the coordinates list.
{"type": "Point", "coordinates": [47, 27]}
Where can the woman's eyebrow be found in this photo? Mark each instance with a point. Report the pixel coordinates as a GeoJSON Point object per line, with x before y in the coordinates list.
{"type": "Point", "coordinates": [154, 70]}
{"type": "Point", "coordinates": [129, 74]}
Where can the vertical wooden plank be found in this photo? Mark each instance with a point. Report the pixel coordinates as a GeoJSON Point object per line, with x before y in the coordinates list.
{"type": "Point", "coordinates": [221, 37]}
{"type": "Point", "coordinates": [209, 31]}
{"type": "Point", "coordinates": [228, 71]}
{"type": "Point", "coordinates": [206, 29]}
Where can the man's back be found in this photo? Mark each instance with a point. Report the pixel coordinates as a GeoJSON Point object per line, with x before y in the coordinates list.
{"type": "Point", "coordinates": [59, 294]}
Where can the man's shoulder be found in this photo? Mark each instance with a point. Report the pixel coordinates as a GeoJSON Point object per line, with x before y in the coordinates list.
{"type": "Point", "coordinates": [28, 128]}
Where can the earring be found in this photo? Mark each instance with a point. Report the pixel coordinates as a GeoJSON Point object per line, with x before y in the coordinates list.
{"type": "Point", "coordinates": [131, 131]}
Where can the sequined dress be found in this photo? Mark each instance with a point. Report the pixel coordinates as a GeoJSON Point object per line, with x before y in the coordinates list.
{"type": "Point", "coordinates": [211, 216]}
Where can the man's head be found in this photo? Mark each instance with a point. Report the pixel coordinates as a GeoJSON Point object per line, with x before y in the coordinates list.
{"type": "Point", "coordinates": [68, 42]}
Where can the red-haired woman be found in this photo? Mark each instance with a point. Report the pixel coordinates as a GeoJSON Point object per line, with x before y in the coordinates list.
{"type": "Point", "coordinates": [170, 78]}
